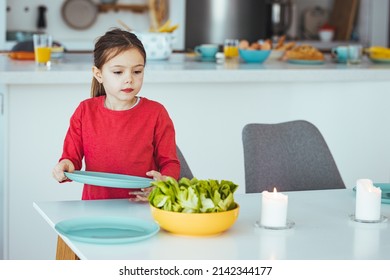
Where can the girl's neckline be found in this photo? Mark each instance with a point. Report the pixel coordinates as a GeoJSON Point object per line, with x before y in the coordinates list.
{"type": "Point", "coordinates": [106, 106]}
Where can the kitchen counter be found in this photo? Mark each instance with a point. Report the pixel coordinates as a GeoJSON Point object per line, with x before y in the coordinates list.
{"type": "Point", "coordinates": [209, 104]}
{"type": "Point", "coordinates": [180, 68]}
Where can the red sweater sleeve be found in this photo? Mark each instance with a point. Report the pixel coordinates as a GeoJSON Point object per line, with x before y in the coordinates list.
{"type": "Point", "coordinates": [73, 144]}
{"type": "Point", "coordinates": [165, 146]}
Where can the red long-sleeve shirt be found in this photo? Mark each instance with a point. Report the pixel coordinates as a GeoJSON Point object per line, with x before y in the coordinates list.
{"type": "Point", "coordinates": [129, 142]}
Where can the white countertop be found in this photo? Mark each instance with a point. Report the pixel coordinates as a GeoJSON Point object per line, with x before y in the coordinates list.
{"type": "Point", "coordinates": [323, 230]}
{"type": "Point", "coordinates": [179, 68]}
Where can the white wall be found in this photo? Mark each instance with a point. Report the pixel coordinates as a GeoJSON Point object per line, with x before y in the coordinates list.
{"type": "Point", "coordinates": [303, 5]}
{"type": "Point", "coordinates": [373, 22]}
{"type": "Point", "coordinates": [3, 180]}
{"type": "Point", "coordinates": [379, 22]}
{"type": "Point", "coordinates": [2, 24]}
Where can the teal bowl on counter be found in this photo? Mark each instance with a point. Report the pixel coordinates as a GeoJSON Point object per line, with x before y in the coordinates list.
{"type": "Point", "coordinates": [254, 56]}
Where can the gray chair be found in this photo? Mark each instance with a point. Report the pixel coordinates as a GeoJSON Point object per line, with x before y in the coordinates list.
{"type": "Point", "coordinates": [185, 170]}
{"type": "Point", "coordinates": [290, 156]}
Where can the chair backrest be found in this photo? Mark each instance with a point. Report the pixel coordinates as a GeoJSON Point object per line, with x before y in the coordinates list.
{"type": "Point", "coordinates": [185, 170]}
{"type": "Point", "coordinates": [290, 156]}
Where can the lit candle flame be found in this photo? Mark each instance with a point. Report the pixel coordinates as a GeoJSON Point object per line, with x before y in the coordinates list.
{"type": "Point", "coordinates": [275, 190]}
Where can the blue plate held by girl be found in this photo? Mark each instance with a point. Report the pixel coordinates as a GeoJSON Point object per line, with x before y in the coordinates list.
{"type": "Point", "coordinates": [112, 180]}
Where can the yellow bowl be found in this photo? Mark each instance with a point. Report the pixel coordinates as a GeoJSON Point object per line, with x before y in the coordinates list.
{"type": "Point", "coordinates": [195, 224]}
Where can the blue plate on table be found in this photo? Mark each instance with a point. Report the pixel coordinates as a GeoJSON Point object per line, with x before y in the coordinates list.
{"type": "Point", "coordinates": [306, 61]}
{"type": "Point", "coordinates": [109, 179]}
{"type": "Point", "coordinates": [385, 188]}
{"type": "Point", "coordinates": [107, 230]}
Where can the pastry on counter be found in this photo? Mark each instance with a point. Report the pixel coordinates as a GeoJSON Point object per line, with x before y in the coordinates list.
{"type": "Point", "coordinates": [304, 52]}
{"type": "Point", "coordinates": [282, 45]}
{"type": "Point", "coordinates": [258, 45]}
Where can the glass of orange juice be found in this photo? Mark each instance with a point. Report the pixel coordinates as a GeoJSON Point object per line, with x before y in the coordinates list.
{"type": "Point", "coordinates": [230, 48]}
{"type": "Point", "coordinates": [42, 49]}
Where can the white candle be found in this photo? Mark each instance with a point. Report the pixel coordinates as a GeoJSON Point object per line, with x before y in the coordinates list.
{"type": "Point", "coordinates": [274, 209]}
{"type": "Point", "coordinates": [368, 201]}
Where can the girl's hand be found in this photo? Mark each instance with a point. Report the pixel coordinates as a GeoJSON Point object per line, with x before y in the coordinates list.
{"type": "Point", "coordinates": [143, 194]}
{"type": "Point", "coordinates": [156, 175]}
{"type": "Point", "coordinates": [60, 168]}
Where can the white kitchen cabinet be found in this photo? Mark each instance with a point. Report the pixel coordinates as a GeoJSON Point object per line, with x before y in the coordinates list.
{"type": "Point", "coordinates": [37, 120]}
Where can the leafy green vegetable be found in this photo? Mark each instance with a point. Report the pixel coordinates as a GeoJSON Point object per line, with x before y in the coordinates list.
{"type": "Point", "coordinates": [193, 196]}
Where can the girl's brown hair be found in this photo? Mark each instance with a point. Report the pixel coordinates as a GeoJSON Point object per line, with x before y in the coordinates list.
{"type": "Point", "coordinates": [109, 45]}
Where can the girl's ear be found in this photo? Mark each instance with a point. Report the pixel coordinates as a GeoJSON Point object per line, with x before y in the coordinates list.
{"type": "Point", "coordinates": [97, 74]}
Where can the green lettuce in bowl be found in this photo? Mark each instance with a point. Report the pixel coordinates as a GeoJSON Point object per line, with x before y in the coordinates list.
{"type": "Point", "coordinates": [193, 196]}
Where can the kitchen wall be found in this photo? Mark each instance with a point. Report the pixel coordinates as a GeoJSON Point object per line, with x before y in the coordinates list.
{"type": "Point", "coordinates": [3, 206]}
{"type": "Point", "coordinates": [372, 24]}
{"type": "Point", "coordinates": [379, 22]}
{"type": "Point", "coordinates": [3, 21]}
{"type": "Point", "coordinates": [303, 5]}
{"type": "Point", "coordinates": [82, 39]}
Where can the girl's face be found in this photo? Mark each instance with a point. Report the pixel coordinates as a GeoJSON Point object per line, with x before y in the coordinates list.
{"type": "Point", "coordinates": [122, 77]}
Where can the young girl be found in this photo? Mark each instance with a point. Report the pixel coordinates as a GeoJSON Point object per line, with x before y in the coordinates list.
{"type": "Point", "coordinates": [116, 131]}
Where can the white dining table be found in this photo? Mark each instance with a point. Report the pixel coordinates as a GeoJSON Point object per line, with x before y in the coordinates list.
{"type": "Point", "coordinates": [322, 230]}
